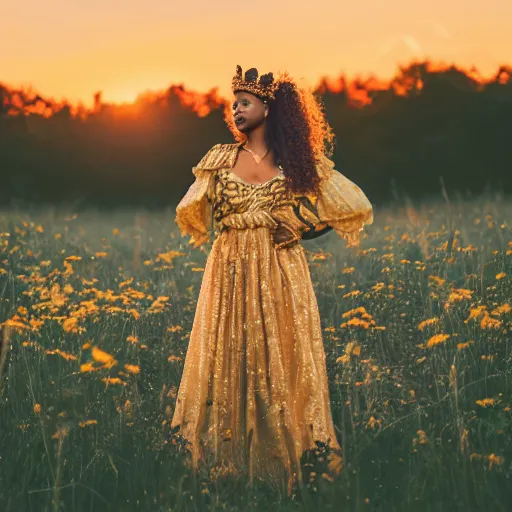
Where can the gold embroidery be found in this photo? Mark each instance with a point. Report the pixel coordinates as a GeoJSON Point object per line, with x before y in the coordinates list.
{"type": "Point", "coordinates": [217, 192]}
{"type": "Point", "coordinates": [254, 393]}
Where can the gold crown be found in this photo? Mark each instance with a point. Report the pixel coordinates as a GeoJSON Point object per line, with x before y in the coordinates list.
{"type": "Point", "coordinates": [265, 87]}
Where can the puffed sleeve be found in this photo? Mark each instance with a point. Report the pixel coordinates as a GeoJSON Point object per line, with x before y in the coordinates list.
{"type": "Point", "coordinates": [194, 211]}
{"type": "Point", "coordinates": [341, 203]}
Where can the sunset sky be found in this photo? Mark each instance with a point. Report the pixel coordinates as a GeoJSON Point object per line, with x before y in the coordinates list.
{"type": "Point", "coordinates": [70, 50]}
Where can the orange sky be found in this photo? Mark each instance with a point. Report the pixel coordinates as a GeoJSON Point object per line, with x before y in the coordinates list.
{"type": "Point", "coordinates": [73, 49]}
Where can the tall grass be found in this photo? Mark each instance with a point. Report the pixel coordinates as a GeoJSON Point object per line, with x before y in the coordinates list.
{"type": "Point", "coordinates": [96, 311]}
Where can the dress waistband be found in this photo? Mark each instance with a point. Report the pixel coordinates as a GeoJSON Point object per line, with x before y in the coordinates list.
{"type": "Point", "coordinates": [282, 233]}
{"type": "Point", "coordinates": [248, 220]}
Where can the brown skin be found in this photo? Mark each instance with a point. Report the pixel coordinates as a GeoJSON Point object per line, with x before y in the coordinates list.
{"type": "Point", "coordinates": [254, 112]}
{"type": "Point", "coordinates": [293, 127]}
{"type": "Point", "coordinates": [296, 132]}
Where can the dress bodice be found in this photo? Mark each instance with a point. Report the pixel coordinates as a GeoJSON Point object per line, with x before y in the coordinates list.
{"type": "Point", "coordinates": [237, 204]}
{"type": "Point", "coordinates": [220, 195]}
{"type": "Point", "coordinates": [232, 195]}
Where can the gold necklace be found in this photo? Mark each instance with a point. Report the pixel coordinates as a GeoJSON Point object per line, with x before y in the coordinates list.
{"type": "Point", "coordinates": [257, 158]}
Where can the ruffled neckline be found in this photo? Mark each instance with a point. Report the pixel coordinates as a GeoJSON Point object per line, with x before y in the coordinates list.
{"type": "Point", "coordinates": [232, 160]}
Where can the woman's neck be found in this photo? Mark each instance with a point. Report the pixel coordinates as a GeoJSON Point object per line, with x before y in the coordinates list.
{"type": "Point", "coordinates": [256, 140]}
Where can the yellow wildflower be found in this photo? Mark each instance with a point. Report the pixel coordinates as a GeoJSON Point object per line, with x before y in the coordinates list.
{"type": "Point", "coordinates": [437, 280]}
{"type": "Point", "coordinates": [134, 313]}
{"type": "Point", "coordinates": [355, 311]}
{"type": "Point", "coordinates": [461, 346]}
{"type": "Point", "coordinates": [87, 422]}
{"type": "Point", "coordinates": [103, 357]}
{"type": "Point", "coordinates": [352, 348]}
{"type": "Point", "coordinates": [344, 359]}
{"type": "Point", "coordinates": [475, 313]}
{"type": "Point", "coordinates": [351, 294]}
{"type": "Point", "coordinates": [421, 439]}
{"type": "Point", "coordinates": [485, 402]}
{"type": "Point", "coordinates": [69, 325]}
{"type": "Point", "coordinates": [122, 284]}
{"type": "Point", "coordinates": [15, 323]}
{"type": "Point", "coordinates": [495, 459]}
{"type": "Point", "coordinates": [488, 322]}
{"type": "Point", "coordinates": [88, 367]}
{"type": "Point", "coordinates": [501, 310]}
{"type": "Point", "coordinates": [167, 257]}
{"type": "Point", "coordinates": [459, 294]}
{"type": "Point", "coordinates": [429, 321]}
{"type": "Point", "coordinates": [69, 269]}
{"type": "Point", "coordinates": [373, 423]}
{"type": "Point", "coordinates": [132, 368]}
{"type": "Point", "coordinates": [61, 433]}
{"type": "Point", "coordinates": [437, 339]}
{"type": "Point", "coordinates": [113, 380]}
{"type": "Point", "coordinates": [65, 355]}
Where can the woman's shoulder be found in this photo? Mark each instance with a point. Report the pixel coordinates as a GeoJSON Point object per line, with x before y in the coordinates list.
{"type": "Point", "coordinates": [324, 166]}
{"type": "Point", "coordinates": [218, 156]}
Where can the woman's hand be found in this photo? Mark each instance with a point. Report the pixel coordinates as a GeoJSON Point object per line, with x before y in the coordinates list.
{"type": "Point", "coordinates": [283, 236]}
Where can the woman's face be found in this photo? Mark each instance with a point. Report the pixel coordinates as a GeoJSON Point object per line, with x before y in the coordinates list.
{"type": "Point", "coordinates": [249, 111]}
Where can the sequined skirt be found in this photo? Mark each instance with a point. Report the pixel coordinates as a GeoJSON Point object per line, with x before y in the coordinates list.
{"type": "Point", "coordinates": [254, 393]}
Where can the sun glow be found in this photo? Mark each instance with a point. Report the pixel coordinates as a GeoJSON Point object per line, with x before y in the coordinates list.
{"type": "Point", "coordinates": [122, 94]}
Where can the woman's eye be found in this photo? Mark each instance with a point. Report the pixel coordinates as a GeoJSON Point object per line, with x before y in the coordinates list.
{"type": "Point", "coordinates": [244, 103]}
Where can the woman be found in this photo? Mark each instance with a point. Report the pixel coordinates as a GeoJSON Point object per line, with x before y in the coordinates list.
{"type": "Point", "coordinates": [254, 394]}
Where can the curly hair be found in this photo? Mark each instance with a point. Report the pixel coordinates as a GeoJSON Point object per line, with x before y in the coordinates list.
{"type": "Point", "coordinates": [297, 132]}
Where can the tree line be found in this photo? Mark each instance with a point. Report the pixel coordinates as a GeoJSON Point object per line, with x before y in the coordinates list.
{"type": "Point", "coordinates": [425, 129]}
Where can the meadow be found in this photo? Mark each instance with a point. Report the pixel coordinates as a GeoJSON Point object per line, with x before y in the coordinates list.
{"type": "Point", "coordinates": [96, 309]}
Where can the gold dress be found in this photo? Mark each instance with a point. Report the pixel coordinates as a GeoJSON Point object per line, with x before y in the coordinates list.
{"type": "Point", "coordinates": [254, 392]}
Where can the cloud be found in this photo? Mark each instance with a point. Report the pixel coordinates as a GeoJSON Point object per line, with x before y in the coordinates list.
{"type": "Point", "coordinates": [439, 29]}
{"type": "Point", "coordinates": [407, 40]}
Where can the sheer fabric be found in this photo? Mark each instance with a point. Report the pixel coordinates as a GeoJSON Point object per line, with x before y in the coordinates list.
{"type": "Point", "coordinates": [254, 392]}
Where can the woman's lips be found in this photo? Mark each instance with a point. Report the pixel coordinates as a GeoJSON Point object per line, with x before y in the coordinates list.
{"type": "Point", "coordinates": [239, 120]}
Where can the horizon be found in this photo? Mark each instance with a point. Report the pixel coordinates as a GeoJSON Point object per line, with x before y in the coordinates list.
{"type": "Point", "coordinates": [125, 53]}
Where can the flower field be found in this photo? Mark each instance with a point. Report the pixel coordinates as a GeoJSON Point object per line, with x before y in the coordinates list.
{"type": "Point", "coordinates": [95, 313]}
